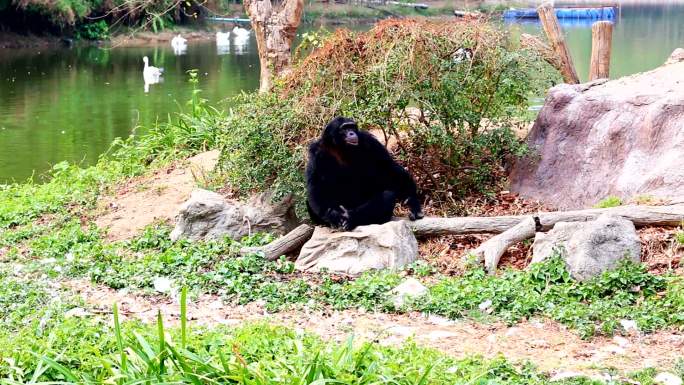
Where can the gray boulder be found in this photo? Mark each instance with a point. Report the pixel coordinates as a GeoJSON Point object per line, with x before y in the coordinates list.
{"type": "Point", "coordinates": [621, 137]}
{"type": "Point", "coordinates": [391, 245]}
{"type": "Point", "coordinates": [589, 248]}
{"type": "Point", "coordinates": [208, 215]}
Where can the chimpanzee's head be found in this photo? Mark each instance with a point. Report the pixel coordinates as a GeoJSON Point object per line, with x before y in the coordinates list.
{"type": "Point", "coordinates": [341, 133]}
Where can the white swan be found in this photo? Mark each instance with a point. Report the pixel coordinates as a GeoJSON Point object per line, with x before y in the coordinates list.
{"type": "Point", "coordinates": [222, 38]}
{"type": "Point", "coordinates": [240, 32]}
{"type": "Point", "coordinates": [151, 75]}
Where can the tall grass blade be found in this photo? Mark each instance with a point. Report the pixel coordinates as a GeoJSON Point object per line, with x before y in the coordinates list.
{"type": "Point", "coordinates": [119, 338]}
{"type": "Point", "coordinates": [183, 316]}
{"type": "Point", "coordinates": [162, 344]}
{"type": "Point", "coordinates": [60, 368]}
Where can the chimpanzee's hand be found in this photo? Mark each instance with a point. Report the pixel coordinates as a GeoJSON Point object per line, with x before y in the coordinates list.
{"type": "Point", "coordinates": [414, 207]}
{"type": "Point", "coordinates": [339, 219]}
{"type": "Point", "coordinates": [346, 223]}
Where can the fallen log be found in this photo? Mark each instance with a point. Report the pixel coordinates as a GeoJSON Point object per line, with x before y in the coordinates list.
{"type": "Point", "coordinates": [283, 245]}
{"type": "Point", "coordinates": [667, 215]}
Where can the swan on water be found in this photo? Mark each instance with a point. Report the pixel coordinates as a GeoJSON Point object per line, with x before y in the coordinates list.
{"type": "Point", "coordinates": [222, 38]}
{"type": "Point", "coordinates": [179, 44]}
{"type": "Point", "coordinates": [151, 75]}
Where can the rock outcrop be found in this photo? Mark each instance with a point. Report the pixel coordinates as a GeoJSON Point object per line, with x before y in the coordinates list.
{"type": "Point", "coordinates": [589, 248]}
{"type": "Point", "coordinates": [623, 137]}
{"type": "Point", "coordinates": [391, 245]}
{"type": "Point", "coordinates": [208, 215]}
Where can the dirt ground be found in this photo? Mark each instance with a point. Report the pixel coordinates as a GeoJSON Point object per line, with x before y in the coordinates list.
{"type": "Point", "coordinates": [549, 345]}
{"type": "Point", "coordinates": [143, 201]}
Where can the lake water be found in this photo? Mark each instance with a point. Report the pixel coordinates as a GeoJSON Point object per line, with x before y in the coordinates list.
{"type": "Point", "coordinates": [69, 104]}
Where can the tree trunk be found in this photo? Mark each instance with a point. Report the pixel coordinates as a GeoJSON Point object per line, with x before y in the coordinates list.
{"type": "Point", "coordinates": [275, 30]}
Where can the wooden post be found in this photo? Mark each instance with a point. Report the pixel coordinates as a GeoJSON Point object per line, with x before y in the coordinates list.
{"type": "Point", "coordinates": [601, 40]}
{"type": "Point", "coordinates": [549, 21]}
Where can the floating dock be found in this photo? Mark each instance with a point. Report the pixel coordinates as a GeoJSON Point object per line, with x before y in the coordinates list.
{"type": "Point", "coordinates": [594, 13]}
{"type": "Point", "coordinates": [227, 19]}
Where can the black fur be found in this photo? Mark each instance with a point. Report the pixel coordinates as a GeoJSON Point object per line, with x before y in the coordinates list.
{"type": "Point", "coordinates": [354, 185]}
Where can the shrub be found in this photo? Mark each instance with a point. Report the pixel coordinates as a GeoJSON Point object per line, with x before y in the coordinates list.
{"type": "Point", "coordinates": [447, 92]}
{"type": "Point", "coordinates": [92, 31]}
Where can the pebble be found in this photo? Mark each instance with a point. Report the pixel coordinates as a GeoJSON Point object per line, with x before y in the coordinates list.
{"type": "Point", "coordinates": [162, 284]}
{"type": "Point", "coordinates": [666, 378]}
{"type": "Point", "coordinates": [560, 376]}
{"type": "Point", "coordinates": [621, 341]}
{"type": "Point", "coordinates": [629, 325]}
{"type": "Point", "coordinates": [485, 305]}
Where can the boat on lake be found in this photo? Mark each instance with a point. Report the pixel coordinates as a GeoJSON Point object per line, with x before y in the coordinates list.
{"type": "Point", "coordinates": [592, 13]}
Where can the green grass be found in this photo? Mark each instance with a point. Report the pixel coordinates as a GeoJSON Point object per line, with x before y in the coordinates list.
{"type": "Point", "coordinates": [45, 236]}
{"type": "Point", "coordinates": [103, 349]}
{"type": "Point", "coordinates": [680, 237]}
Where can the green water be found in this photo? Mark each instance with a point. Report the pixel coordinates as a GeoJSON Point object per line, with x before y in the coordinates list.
{"type": "Point", "coordinates": [69, 104]}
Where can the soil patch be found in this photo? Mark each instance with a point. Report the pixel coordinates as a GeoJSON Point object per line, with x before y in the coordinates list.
{"type": "Point", "coordinates": [547, 344]}
{"type": "Point", "coordinates": [143, 201]}
{"type": "Point", "coordinates": [146, 38]}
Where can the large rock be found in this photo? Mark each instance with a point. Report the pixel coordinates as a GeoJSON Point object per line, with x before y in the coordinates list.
{"type": "Point", "coordinates": [391, 245]}
{"type": "Point", "coordinates": [208, 215]}
{"type": "Point", "coordinates": [622, 137]}
{"type": "Point", "coordinates": [590, 248]}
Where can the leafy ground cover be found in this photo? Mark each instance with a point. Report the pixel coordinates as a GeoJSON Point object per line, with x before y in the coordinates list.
{"type": "Point", "coordinates": [591, 308]}
{"type": "Point", "coordinates": [47, 344]}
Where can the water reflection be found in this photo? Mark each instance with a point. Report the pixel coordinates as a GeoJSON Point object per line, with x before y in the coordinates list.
{"type": "Point", "coordinates": [240, 43]}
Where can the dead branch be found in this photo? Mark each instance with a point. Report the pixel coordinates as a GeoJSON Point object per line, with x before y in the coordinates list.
{"type": "Point", "coordinates": [283, 245]}
{"type": "Point", "coordinates": [512, 229]}
{"type": "Point", "coordinates": [491, 250]}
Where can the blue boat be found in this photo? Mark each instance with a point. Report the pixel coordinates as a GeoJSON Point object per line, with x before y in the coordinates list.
{"type": "Point", "coordinates": [597, 13]}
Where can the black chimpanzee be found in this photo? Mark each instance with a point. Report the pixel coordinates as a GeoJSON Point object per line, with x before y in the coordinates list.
{"type": "Point", "coordinates": [352, 180]}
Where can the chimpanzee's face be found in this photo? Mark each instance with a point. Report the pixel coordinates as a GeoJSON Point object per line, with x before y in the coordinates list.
{"type": "Point", "coordinates": [341, 132]}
